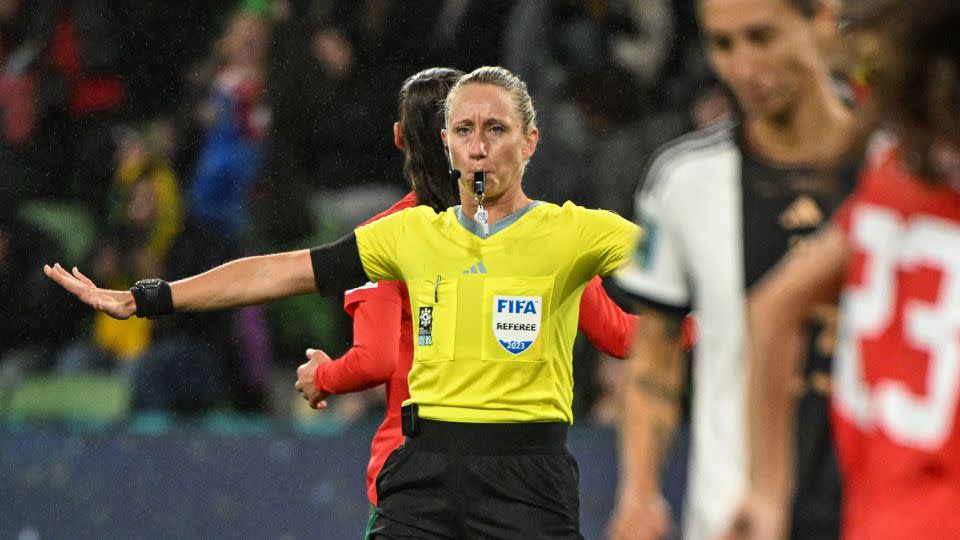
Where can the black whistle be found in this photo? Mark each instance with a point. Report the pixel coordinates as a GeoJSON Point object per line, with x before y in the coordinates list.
{"type": "Point", "coordinates": [479, 182]}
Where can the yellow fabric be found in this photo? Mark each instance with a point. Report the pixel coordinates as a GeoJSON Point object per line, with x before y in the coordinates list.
{"type": "Point", "coordinates": [126, 339]}
{"type": "Point", "coordinates": [544, 259]}
{"type": "Point", "coordinates": [168, 220]}
{"type": "Point", "coordinates": [130, 338]}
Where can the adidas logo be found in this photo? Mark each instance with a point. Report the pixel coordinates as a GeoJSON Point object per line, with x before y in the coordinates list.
{"type": "Point", "coordinates": [803, 213]}
{"type": "Point", "coordinates": [478, 268]}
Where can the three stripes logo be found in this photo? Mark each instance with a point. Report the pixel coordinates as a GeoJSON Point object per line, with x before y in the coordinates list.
{"type": "Point", "coordinates": [478, 268]}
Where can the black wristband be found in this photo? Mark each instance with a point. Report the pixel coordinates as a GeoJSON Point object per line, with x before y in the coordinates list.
{"type": "Point", "coordinates": [153, 297]}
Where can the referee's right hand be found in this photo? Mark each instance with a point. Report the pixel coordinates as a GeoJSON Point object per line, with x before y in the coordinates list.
{"type": "Point", "coordinates": [117, 304]}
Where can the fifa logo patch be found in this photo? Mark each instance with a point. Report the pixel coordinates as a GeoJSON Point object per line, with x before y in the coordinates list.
{"type": "Point", "coordinates": [425, 336]}
{"type": "Point", "coordinates": [516, 321]}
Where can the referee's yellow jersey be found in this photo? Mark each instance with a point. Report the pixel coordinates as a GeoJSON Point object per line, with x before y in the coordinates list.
{"type": "Point", "coordinates": [495, 317]}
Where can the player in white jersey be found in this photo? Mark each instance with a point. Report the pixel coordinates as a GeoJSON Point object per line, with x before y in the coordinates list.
{"type": "Point", "coordinates": [719, 208]}
{"type": "Point", "coordinates": [892, 253]}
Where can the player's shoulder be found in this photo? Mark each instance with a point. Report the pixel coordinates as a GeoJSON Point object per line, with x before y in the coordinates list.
{"type": "Point", "coordinates": [884, 173]}
{"type": "Point", "coordinates": [408, 201]}
{"type": "Point", "coordinates": [382, 291]}
{"type": "Point", "coordinates": [684, 158]}
{"type": "Point", "coordinates": [413, 216]}
{"type": "Point", "coordinates": [889, 182]}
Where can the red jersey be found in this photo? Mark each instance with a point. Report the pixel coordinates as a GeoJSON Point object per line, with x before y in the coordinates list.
{"type": "Point", "coordinates": [897, 364]}
{"type": "Point", "coordinates": [383, 348]}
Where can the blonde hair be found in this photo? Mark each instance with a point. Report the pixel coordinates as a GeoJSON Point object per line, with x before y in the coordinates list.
{"type": "Point", "coordinates": [504, 78]}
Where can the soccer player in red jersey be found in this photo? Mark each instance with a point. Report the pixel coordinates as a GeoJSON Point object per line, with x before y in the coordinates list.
{"type": "Point", "coordinates": [893, 256]}
{"type": "Point", "coordinates": [382, 352]}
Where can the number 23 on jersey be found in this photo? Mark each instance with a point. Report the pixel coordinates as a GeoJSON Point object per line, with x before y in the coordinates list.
{"type": "Point", "coordinates": [898, 356]}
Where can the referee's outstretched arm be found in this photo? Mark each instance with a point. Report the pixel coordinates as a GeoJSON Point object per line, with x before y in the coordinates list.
{"type": "Point", "coordinates": [329, 269]}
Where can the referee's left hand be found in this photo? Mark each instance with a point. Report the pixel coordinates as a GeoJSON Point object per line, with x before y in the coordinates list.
{"type": "Point", "coordinates": [305, 378]}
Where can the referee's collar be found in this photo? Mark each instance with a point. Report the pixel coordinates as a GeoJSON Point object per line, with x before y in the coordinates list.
{"type": "Point", "coordinates": [474, 227]}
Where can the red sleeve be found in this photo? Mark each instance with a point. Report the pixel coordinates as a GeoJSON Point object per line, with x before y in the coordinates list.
{"type": "Point", "coordinates": [376, 310]}
{"type": "Point", "coordinates": [609, 328]}
{"type": "Point", "coordinates": [690, 333]}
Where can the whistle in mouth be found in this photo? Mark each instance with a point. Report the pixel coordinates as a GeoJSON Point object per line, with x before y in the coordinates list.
{"type": "Point", "coordinates": [479, 182]}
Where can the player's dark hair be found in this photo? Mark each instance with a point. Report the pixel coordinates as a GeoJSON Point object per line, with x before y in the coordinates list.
{"type": "Point", "coordinates": [915, 74]}
{"type": "Point", "coordinates": [807, 7]}
{"type": "Point", "coordinates": [420, 112]}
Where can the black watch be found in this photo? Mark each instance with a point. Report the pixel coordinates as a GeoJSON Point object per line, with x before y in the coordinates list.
{"type": "Point", "coordinates": [153, 297]}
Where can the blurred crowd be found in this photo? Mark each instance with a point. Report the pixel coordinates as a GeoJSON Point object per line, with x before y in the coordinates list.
{"type": "Point", "coordinates": [142, 139]}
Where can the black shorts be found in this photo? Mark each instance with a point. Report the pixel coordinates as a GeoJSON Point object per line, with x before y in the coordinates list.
{"type": "Point", "coordinates": [464, 481]}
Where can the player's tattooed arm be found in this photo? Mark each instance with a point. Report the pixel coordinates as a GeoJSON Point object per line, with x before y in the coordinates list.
{"type": "Point", "coordinates": [669, 324]}
{"type": "Point", "coordinates": [654, 387]}
{"type": "Point", "coordinates": [657, 376]}
{"type": "Point", "coordinates": [657, 371]}
{"type": "Point", "coordinates": [651, 408]}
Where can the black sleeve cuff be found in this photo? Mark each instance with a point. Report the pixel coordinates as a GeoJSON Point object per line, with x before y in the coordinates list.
{"type": "Point", "coordinates": [337, 266]}
{"type": "Point", "coordinates": [623, 296]}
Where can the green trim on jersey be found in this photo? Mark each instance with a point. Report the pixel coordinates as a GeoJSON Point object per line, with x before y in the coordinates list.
{"type": "Point", "coordinates": [370, 520]}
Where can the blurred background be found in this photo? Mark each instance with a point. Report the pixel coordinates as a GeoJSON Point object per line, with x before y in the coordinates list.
{"type": "Point", "coordinates": [147, 138]}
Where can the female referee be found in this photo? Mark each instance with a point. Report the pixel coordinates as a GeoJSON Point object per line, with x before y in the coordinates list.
{"type": "Point", "coordinates": [491, 383]}
{"type": "Point", "coordinates": [382, 327]}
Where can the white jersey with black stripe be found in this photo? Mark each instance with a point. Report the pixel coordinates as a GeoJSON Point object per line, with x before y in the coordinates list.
{"type": "Point", "coordinates": [690, 259]}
